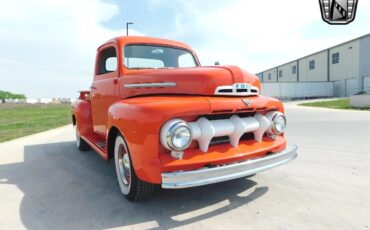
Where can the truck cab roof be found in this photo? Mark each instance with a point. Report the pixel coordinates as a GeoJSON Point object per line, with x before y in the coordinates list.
{"type": "Point", "coordinates": [123, 40]}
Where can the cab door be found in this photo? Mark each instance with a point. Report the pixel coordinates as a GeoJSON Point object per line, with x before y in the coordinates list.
{"type": "Point", "coordinates": [104, 86]}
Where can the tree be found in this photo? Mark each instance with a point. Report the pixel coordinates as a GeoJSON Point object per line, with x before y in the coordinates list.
{"type": "Point", "coordinates": [8, 95]}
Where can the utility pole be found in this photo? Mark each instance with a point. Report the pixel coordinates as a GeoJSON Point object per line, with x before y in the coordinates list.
{"type": "Point", "coordinates": [127, 24]}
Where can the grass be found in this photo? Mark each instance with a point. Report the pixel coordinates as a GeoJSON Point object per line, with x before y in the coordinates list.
{"type": "Point", "coordinates": [334, 104]}
{"type": "Point", "coordinates": [18, 120]}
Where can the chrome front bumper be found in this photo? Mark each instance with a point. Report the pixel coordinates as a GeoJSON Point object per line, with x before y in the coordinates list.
{"type": "Point", "coordinates": [186, 179]}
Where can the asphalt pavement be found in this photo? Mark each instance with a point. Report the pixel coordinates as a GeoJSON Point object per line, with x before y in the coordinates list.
{"type": "Point", "coordinates": [46, 183]}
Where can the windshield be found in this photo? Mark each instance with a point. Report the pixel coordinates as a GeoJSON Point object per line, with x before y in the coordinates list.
{"type": "Point", "coordinates": [157, 57]}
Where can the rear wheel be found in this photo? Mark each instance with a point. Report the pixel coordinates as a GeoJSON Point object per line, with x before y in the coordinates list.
{"type": "Point", "coordinates": [131, 186]}
{"type": "Point", "coordinates": [81, 143]}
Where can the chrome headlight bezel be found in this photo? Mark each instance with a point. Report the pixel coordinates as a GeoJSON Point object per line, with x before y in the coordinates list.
{"type": "Point", "coordinates": [273, 118]}
{"type": "Point", "coordinates": [169, 131]}
{"type": "Point", "coordinates": [275, 122]}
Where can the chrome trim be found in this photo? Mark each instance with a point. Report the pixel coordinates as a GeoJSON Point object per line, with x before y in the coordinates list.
{"type": "Point", "coordinates": [234, 90]}
{"type": "Point", "coordinates": [150, 85]}
{"type": "Point", "coordinates": [171, 132]}
{"type": "Point", "coordinates": [166, 140]}
{"type": "Point", "coordinates": [186, 179]}
{"type": "Point", "coordinates": [272, 130]}
{"type": "Point", "coordinates": [204, 130]}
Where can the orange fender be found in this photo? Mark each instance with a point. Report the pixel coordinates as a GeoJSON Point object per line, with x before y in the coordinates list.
{"type": "Point", "coordinates": [139, 121]}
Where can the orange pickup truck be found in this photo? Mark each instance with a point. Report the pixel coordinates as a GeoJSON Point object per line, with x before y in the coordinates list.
{"type": "Point", "coordinates": [166, 120]}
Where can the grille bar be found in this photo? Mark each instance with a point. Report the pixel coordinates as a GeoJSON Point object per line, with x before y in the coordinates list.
{"type": "Point", "coordinates": [235, 127]}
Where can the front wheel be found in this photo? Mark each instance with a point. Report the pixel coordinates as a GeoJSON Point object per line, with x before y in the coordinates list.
{"type": "Point", "coordinates": [131, 186]}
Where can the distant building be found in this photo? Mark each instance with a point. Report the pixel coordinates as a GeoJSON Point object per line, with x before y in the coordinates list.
{"type": "Point", "coordinates": [347, 65]}
{"type": "Point", "coordinates": [39, 101]}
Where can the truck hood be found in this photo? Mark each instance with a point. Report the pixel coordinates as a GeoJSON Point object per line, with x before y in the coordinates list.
{"type": "Point", "coordinates": [191, 81]}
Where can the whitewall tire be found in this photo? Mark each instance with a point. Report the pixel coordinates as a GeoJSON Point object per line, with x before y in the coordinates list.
{"type": "Point", "coordinates": [130, 185]}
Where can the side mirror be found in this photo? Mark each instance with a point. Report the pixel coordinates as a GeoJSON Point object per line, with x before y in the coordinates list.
{"type": "Point", "coordinates": [217, 63]}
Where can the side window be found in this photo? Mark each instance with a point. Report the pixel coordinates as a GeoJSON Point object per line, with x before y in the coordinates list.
{"type": "Point", "coordinates": [294, 69]}
{"type": "Point", "coordinates": [311, 65]}
{"type": "Point", "coordinates": [107, 62]}
{"type": "Point", "coordinates": [335, 58]}
{"type": "Point", "coordinates": [269, 76]}
{"type": "Point", "coordinates": [280, 73]}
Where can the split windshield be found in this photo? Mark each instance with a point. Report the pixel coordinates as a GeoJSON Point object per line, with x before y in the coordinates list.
{"type": "Point", "coordinates": [157, 57]}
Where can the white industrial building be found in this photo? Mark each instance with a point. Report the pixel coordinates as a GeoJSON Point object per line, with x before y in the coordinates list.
{"type": "Point", "coordinates": [341, 70]}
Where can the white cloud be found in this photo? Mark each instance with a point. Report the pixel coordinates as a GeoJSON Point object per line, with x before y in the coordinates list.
{"type": "Point", "coordinates": [51, 44]}
{"type": "Point", "coordinates": [258, 34]}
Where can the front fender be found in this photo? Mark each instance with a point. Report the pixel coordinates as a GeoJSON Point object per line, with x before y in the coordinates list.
{"type": "Point", "coordinates": [139, 121]}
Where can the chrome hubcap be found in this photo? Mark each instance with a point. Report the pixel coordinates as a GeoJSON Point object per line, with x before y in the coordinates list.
{"type": "Point", "coordinates": [124, 164]}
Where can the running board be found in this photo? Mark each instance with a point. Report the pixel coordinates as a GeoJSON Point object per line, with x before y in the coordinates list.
{"type": "Point", "coordinates": [97, 143]}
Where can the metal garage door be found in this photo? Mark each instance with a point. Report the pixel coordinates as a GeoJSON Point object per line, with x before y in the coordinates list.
{"type": "Point", "coordinates": [337, 86]}
{"type": "Point", "coordinates": [367, 84]}
{"type": "Point", "coordinates": [351, 86]}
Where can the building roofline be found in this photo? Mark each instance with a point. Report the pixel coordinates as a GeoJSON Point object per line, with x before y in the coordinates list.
{"type": "Point", "coordinates": [296, 60]}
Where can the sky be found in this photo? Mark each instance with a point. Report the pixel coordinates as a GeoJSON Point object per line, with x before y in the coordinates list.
{"type": "Point", "coordinates": [47, 48]}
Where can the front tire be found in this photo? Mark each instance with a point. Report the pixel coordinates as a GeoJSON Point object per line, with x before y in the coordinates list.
{"type": "Point", "coordinates": [130, 185]}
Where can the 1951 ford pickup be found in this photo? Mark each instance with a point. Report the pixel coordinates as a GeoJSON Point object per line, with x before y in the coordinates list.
{"type": "Point", "coordinates": [166, 120]}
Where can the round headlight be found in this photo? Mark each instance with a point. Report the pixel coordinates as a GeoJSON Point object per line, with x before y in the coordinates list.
{"type": "Point", "coordinates": [278, 123]}
{"type": "Point", "coordinates": [176, 135]}
{"type": "Point", "coordinates": [180, 137]}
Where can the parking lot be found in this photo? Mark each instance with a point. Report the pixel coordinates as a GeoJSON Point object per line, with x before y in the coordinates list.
{"type": "Point", "coordinates": [46, 183]}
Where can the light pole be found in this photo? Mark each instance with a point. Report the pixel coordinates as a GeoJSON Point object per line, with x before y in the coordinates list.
{"type": "Point", "coordinates": [128, 23]}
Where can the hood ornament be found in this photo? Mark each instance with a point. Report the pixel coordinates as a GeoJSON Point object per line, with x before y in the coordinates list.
{"type": "Point", "coordinates": [247, 102]}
